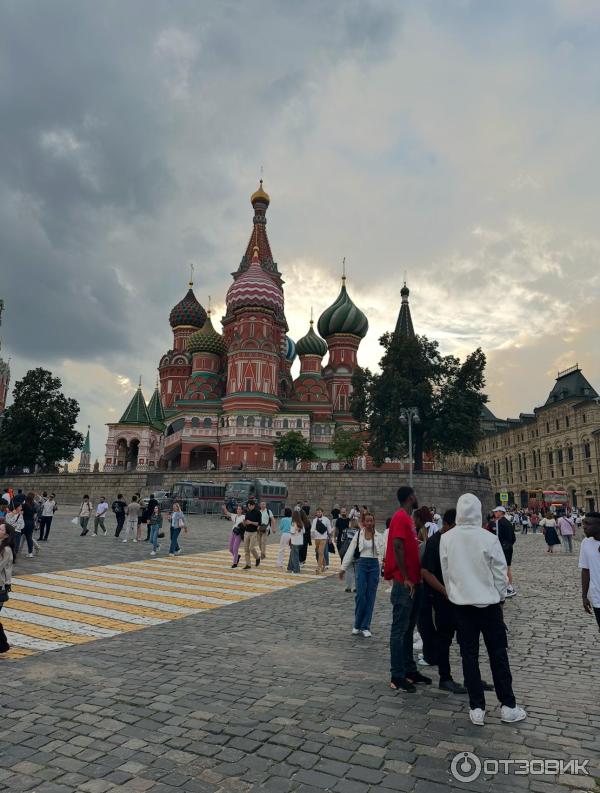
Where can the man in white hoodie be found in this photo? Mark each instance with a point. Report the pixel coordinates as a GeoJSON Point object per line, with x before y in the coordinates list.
{"type": "Point", "coordinates": [475, 576]}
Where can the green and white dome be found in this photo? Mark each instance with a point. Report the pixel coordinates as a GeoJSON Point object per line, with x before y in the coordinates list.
{"type": "Point", "coordinates": [311, 344]}
{"type": "Point", "coordinates": [343, 317]}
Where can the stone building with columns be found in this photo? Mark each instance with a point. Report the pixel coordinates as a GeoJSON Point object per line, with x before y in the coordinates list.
{"type": "Point", "coordinates": [223, 399]}
{"type": "Point", "coordinates": [556, 447]}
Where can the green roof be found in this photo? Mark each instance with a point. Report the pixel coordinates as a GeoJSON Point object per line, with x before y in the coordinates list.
{"type": "Point", "coordinates": [155, 407]}
{"type": "Point", "coordinates": [136, 412]}
{"type": "Point", "coordinates": [571, 383]}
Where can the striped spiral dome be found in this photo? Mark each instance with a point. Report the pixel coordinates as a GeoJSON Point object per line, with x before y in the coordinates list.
{"type": "Point", "coordinates": [254, 288]}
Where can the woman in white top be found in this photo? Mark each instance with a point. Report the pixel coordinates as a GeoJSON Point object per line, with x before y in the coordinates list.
{"type": "Point", "coordinates": [237, 533]}
{"type": "Point", "coordinates": [177, 524]}
{"type": "Point", "coordinates": [548, 526]}
{"type": "Point", "coordinates": [368, 543]}
{"type": "Point", "coordinates": [297, 530]}
{"type": "Point", "coordinates": [7, 557]}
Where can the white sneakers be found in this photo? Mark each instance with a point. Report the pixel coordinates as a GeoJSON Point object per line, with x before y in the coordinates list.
{"type": "Point", "coordinates": [355, 631]}
{"type": "Point", "coordinates": [152, 553]}
{"type": "Point", "coordinates": [511, 592]}
{"type": "Point", "coordinates": [510, 715]}
{"type": "Point", "coordinates": [507, 715]}
{"type": "Point", "coordinates": [477, 716]}
{"type": "Point", "coordinates": [30, 556]}
{"type": "Point", "coordinates": [367, 634]}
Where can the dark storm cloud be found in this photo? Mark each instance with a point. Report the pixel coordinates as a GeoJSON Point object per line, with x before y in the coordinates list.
{"type": "Point", "coordinates": [97, 101]}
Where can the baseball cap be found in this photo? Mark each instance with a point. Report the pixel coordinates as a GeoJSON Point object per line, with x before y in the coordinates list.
{"type": "Point", "coordinates": [499, 509]}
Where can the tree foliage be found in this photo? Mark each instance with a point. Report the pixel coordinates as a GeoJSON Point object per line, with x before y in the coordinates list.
{"type": "Point", "coordinates": [447, 394]}
{"type": "Point", "coordinates": [360, 402]}
{"type": "Point", "coordinates": [39, 427]}
{"type": "Point", "coordinates": [347, 445]}
{"type": "Point", "coordinates": [294, 446]}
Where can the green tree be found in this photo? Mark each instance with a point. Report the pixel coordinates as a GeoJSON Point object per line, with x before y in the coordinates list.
{"type": "Point", "coordinates": [39, 427]}
{"type": "Point", "coordinates": [447, 395]}
{"type": "Point", "coordinates": [360, 401]}
{"type": "Point", "coordinates": [293, 446]}
{"type": "Point", "coordinates": [347, 445]}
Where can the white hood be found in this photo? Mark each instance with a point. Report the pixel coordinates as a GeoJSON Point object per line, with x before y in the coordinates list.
{"type": "Point", "coordinates": [468, 512]}
{"type": "Point", "coordinates": [473, 562]}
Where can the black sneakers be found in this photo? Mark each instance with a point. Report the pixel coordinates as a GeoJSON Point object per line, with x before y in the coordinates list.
{"type": "Point", "coordinates": [257, 562]}
{"type": "Point", "coordinates": [417, 677]}
{"type": "Point", "coordinates": [452, 686]}
{"type": "Point", "coordinates": [402, 684]}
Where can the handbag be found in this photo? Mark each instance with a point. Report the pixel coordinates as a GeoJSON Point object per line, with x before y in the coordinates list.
{"type": "Point", "coordinates": [3, 595]}
{"type": "Point", "coordinates": [160, 535]}
{"type": "Point", "coordinates": [331, 547]}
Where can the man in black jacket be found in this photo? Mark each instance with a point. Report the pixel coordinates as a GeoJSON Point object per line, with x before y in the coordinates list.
{"type": "Point", "coordinates": [506, 534]}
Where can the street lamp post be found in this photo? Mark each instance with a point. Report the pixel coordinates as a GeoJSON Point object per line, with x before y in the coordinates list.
{"type": "Point", "coordinates": [408, 416]}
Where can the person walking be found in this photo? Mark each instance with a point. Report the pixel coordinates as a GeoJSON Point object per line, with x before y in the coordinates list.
{"type": "Point", "coordinates": [505, 531]}
{"type": "Point", "coordinates": [155, 522]}
{"type": "Point", "coordinates": [306, 538]}
{"type": "Point", "coordinates": [297, 531]}
{"type": "Point", "coordinates": [100, 516]}
{"type": "Point", "coordinates": [132, 513]}
{"type": "Point", "coordinates": [285, 526]}
{"type": "Point", "coordinates": [345, 531]}
{"type": "Point", "coordinates": [566, 527]}
{"type": "Point", "coordinates": [237, 533]}
{"type": "Point", "coordinates": [47, 513]}
{"type": "Point", "coordinates": [119, 506]}
{"type": "Point", "coordinates": [525, 522]}
{"type": "Point", "coordinates": [321, 534]}
{"type": "Point", "coordinates": [535, 520]}
{"type": "Point", "coordinates": [177, 524]}
{"type": "Point", "coordinates": [147, 513]}
{"type": "Point", "coordinates": [267, 525]}
{"type": "Point", "coordinates": [475, 575]}
{"type": "Point", "coordinates": [8, 553]}
{"type": "Point", "coordinates": [252, 520]}
{"type": "Point", "coordinates": [589, 564]}
{"type": "Point", "coordinates": [14, 519]}
{"type": "Point", "coordinates": [403, 568]}
{"type": "Point", "coordinates": [367, 545]}
{"type": "Point", "coordinates": [85, 511]}
{"type": "Point", "coordinates": [29, 517]}
{"type": "Point", "coordinates": [548, 526]}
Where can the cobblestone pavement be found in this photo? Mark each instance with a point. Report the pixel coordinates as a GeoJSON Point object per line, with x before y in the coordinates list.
{"type": "Point", "coordinates": [274, 694]}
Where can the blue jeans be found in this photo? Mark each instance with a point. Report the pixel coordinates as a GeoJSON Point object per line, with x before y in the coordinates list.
{"type": "Point", "coordinates": [154, 528]}
{"type": "Point", "coordinates": [404, 618]}
{"type": "Point", "coordinates": [174, 547]}
{"type": "Point", "coordinates": [367, 581]}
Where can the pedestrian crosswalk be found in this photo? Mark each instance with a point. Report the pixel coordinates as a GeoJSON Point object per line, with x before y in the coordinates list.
{"type": "Point", "coordinates": [51, 611]}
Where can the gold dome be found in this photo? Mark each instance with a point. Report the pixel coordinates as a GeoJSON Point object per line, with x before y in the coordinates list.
{"type": "Point", "coordinates": [260, 195]}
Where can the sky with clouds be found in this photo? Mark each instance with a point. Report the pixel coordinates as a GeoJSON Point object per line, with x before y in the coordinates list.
{"type": "Point", "coordinates": [454, 141]}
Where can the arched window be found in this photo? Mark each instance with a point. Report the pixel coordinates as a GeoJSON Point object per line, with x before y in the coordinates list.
{"type": "Point", "coordinates": [286, 424]}
{"type": "Point", "coordinates": [250, 422]}
{"type": "Point", "coordinates": [299, 424]}
{"type": "Point", "coordinates": [263, 422]}
{"type": "Point", "coordinates": [195, 421]}
{"type": "Point", "coordinates": [239, 422]}
{"type": "Point", "coordinates": [207, 423]}
{"type": "Point", "coordinates": [318, 429]}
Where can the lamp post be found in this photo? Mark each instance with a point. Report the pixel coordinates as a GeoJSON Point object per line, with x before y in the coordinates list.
{"type": "Point", "coordinates": [410, 416]}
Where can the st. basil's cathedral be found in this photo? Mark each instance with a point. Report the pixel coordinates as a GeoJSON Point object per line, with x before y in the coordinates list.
{"type": "Point", "coordinates": [223, 400]}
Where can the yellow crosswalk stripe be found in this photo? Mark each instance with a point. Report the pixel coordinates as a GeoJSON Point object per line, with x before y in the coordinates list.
{"type": "Point", "coordinates": [62, 608]}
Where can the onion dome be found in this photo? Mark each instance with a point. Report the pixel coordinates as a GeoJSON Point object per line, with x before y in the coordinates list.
{"type": "Point", "coordinates": [290, 349]}
{"type": "Point", "coordinates": [260, 195]}
{"type": "Point", "coordinates": [207, 339]}
{"type": "Point", "coordinates": [188, 311]}
{"type": "Point", "coordinates": [311, 344]}
{"type": "Point", "coordinates": [342, 317]}
{"type": "Point", "coordinates": [254, 289]}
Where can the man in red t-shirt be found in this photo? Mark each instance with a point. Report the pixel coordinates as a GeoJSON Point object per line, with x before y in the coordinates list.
{"type": "Point", "coordinates": [403, 567]}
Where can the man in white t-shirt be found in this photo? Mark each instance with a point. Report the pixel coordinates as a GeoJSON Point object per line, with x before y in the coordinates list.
{"type": "Point", "coordinates": [267, 525]}
{"type": "Point", "coordinates": [589, 563]}
{"type": "Point", "coordinates": [101, 511]}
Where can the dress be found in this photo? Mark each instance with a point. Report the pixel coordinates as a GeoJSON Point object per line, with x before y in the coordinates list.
{"type": "Point", "coordinates": [550, 535]}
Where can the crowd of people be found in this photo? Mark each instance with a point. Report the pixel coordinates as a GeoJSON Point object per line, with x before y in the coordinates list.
{"type": "Point", "coordinates": [448, 576]}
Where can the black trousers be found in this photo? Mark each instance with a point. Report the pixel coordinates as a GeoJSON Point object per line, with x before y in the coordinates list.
{"type": "Point", "coordinates": [45, 523]}
{"type": "Point", "coordinates": [4, 645]}
{"type": "Point", "coordinates": [597, 613]}
{"type": "Point", "coordinates": [120, 516]}
{"type": "Point", "coordinates": [427, 629]}
{"type": "Point", "coordinates": [303, 549]}
{"type": "Point", "coordinates": [445, 630]}
{"type": "Point", "coordinates": [471, 622]}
